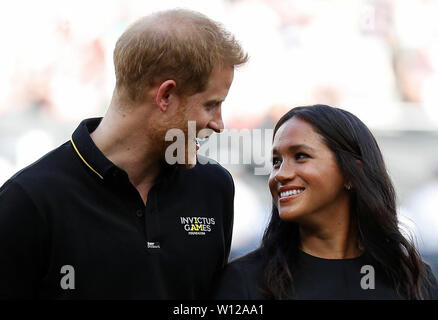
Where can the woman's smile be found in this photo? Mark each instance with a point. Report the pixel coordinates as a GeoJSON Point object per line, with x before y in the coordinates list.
{"type": "Point", "coordinates": [287, 193]}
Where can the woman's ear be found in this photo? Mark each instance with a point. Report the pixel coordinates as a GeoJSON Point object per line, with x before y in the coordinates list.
{"type": "Point", "coordinates": [164, 91]}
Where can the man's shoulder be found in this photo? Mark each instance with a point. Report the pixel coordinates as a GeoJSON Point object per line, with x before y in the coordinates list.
{"type": "Point", "coordinates": [48, 167]}
{"type": "Point", "coordinates": [205, 163]}
{"type": "Point", "coordinates": [41, 180]}
{"type": "Point", "coordinates": [210, 170]}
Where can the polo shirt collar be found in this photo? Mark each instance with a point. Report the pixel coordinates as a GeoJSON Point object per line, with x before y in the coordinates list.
{"type": "Point", "coordinates": [96, 161]}
{"type": "Point", "coordinates": [89, 153]}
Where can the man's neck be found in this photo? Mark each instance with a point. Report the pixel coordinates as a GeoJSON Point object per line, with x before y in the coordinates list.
{"type": "Point", "coordinates": [120, 139]}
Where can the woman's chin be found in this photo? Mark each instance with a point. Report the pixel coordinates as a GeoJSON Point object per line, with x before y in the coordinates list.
{"type": "Point", "coordinates": [289, 215]}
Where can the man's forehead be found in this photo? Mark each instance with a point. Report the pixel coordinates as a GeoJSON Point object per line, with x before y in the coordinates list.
{"type": "Point", "coordinates": [217, 86]}
{"type": "Point", "coordinates": [222, 76]}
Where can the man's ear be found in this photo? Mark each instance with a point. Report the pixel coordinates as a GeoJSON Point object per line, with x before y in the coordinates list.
{"type": "Point", "coordinates": [163, 94]}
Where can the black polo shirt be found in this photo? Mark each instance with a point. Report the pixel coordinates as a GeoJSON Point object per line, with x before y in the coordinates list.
{"type": "Point", "coordinates": [73, 226]}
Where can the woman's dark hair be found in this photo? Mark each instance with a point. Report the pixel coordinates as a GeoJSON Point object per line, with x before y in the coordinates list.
{"type": "Point", "coordinates": [372, 208]}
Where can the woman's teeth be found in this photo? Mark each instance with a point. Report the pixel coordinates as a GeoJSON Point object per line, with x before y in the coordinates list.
{"type": "Point", "coordinates": [290, 192]}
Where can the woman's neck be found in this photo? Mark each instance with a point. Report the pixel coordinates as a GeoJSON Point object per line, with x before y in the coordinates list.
{"type": "Point", "coordinates": [334, 240]}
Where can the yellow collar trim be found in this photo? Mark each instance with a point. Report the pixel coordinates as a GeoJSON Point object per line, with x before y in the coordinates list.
{"type": "Point", "coordinates": [80, 156]}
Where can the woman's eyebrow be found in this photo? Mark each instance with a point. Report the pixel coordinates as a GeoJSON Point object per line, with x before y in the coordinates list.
{"type": "Point", "coordinates": [301, 146]}
{"type": "Point", "coordinates": [296, 147]}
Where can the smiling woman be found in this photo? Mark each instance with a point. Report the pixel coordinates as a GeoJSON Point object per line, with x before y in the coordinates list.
{"type": "Point", "coordinates": [306, 183]}
{"type": "Point", "coordinates": [334, 230]}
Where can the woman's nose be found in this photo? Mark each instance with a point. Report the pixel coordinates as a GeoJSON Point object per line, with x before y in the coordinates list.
{"type": "Point", "coordinates": [285, 173]}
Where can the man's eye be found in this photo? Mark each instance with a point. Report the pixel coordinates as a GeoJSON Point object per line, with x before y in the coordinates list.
{"type": "Point", "coordinates": [211, 106]}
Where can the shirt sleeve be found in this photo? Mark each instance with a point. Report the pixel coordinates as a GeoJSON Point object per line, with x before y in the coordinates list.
{"type": "Point", "coordinates": [21, 243]}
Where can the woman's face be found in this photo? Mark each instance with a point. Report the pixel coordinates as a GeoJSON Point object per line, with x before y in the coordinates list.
{"type": "Point", "coordinates": [306, 183]}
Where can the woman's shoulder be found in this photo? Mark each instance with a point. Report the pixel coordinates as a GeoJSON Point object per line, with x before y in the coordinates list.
{"type": "Point", "coordinates": [431, 283]}
{"type": "Point", "coordinates": [248, 267]}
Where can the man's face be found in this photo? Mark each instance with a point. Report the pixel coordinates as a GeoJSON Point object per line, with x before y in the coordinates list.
{"type": "Point", "coordinates": [205, 109]}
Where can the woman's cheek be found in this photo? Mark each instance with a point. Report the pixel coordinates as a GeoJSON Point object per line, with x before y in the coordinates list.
{"type": "Point", "coordinates": [272, 188]}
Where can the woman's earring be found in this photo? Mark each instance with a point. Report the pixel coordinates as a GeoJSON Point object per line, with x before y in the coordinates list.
{"type": "Point", "coordinates": [348, 187]}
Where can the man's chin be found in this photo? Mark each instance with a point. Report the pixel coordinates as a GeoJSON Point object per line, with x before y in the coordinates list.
{"type": "Point", "coordinates": [190, 164]}
{"type": "Point", "coordinates": [187, 164]}
{"type": "Point", "coordinates": [185, 160]}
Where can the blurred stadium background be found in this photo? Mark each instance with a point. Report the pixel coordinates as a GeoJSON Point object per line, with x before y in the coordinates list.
{"type": "Point", "coordinates": [375, 58]}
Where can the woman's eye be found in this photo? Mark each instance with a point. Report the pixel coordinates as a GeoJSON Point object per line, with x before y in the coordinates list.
{"type": "Point", "coordinates": [276, 162]}
{"type": "Point", "coordinates": [301, 155]}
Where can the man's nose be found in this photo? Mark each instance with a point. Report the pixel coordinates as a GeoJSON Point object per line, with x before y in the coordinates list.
{"type": "Point", "coordinates": [216, 124]}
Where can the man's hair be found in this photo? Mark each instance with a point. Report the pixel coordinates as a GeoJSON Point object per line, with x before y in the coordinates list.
{"type": "Point", "coordinates": [178, 44]}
